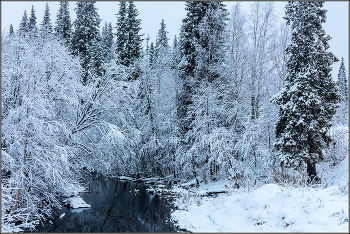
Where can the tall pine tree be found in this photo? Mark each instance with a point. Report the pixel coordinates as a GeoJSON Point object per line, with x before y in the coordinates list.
{"type": "Point", "coordinates": [24, 24]}
{"type": "Point", "coordinates": [121, 33]}
{"type": "Point", "coordinates": [107, 42]}
{"type": "Point", "coordinates": [63, 27]}
{"type": "Point", "coordinates": [46, 26]}
{"type": "Point", "coordinates": [309, 97]}
{"type": "Point", "coordinates": [86, 35]}
{"type": "Point", "coordinates": [162, 38]}
{"type": "Point", "coordinates": [11, 31]}
{"type": "Point", "coordinates": [128, 38]}
{"type": "Point", "coordinates": [343, 81]}
{"type": "Point", "coordinates": [189, 34]}
{"type": "Point", "coordinates": [32, 21]}
{"type": "Point", "coordinates": [133, 47]}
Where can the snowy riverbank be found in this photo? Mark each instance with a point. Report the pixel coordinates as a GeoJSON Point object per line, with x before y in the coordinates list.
{"type": "Point", "coordinates": [270, 208]}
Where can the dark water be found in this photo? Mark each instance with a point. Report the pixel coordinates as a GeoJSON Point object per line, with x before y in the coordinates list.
{"type": "Point", "coordinates": [116, 207]}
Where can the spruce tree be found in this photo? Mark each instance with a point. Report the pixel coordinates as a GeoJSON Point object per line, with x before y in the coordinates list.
{"type": "Point", "coordinates": [152, 53]}
{"type": "Point", "coordinates": [175, 54]}
{"type": "Point", "coordinates": [309, 97]}
{"type": "Point", "coordinates": [189, 33]}
{"type": "Point", "coordinates": [133, 47]}
{"type": "Point", "coordinates": [11, 31]}
{"type": "Point", "coordinates": [63, 27]}
{"type": "Point", "coordinates": [85, 34]}
{"type": "Point", "coordinates": [343, 81]}
{"type": "Point", "coordinates": [121, 34]}
{"type": "Point", "coordinates": [24, 25]}
{"type": "Point", "coordinates": [162, 38]}
{"type": "Point", "coordinates": [32, 21]}
{"type": "Point", "coordinates": [107, 42]}
{"type": "Point", "coordinates": [46, 26]}
{"type": "Point", "coordinates": [147, 47]}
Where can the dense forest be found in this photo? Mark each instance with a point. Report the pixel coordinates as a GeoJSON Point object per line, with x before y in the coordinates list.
{"type": "Point", "coordinates": [237, 95]}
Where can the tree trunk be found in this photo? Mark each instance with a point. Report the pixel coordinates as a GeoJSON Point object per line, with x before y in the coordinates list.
{"type": "Point", "coordinates": [311, 171]}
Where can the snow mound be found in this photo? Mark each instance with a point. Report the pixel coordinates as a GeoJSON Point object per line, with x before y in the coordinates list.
{"type": "Point", "coordinates": [271, 208]}
{"type": "Point", "coordinates": [76, 202]}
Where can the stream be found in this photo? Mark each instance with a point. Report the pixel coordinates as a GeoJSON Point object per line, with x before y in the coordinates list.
{"type": "Point", "coordinates": [116, 206]}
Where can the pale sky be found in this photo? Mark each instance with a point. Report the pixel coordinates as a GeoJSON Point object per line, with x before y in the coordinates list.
{"type": "Point", "coordinates": [152, 12]}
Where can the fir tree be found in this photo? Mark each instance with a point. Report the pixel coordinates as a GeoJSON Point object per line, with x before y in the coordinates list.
{"type": "Point", "coordinates": [86, 32]}
{"type": "Point", "coordinates": [175, 54]}
{"type": "Point", "coordinates": [147, 47]}
{"type": "Point", "coordinates": [46, 26]}
{"type": "Point", "coordinates": [133, 47]}
{"type": "Point", "coordinates": [107, 42]}
{"type": "Point", "coordinates": [196, 11]}
{"type": "Point", "coordinates": [343, 81]}
{"type": "Point", "coordinates": [152, 53]}
{"type": "Point", "coordinates": [309, 97]}
{"type": "Point", "coordinates": [63, 27]}
{"type": "Point", "coordinates": [32, 21]}
{"type": "Point", "coordinates": [11, 31]}
{"type": "Point", "coordinates": [121, 33]}
{"type": "Point", "coordinates": [24, 25]}
{"type": "Point", "coordinates": [162, 38]}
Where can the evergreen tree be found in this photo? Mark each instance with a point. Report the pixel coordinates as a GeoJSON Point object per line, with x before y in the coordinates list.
{"type": "Point", "coordinates": [133, 47]}
{"type": "Point", "coordinates": [24, 25]}
{"type": "Point", "coordinates": [175, 54]}
{"type": "Point", "coordinates": [11, 31]}
{"type": "Point", "coordinates": [32, 20]}
{"type": "Point", "coordinates": [63, 27]}
{"type": "Point", "coordinates": [147, 47]}
{"type": "Point", "coordinates": [343, 81]}
{"type": "Point", "coordinates": [309, 97]}
{"type": "Point", "coordinates": [46, 26]}
{"type": "Point", "coordinates": [162, 39]}
{"type": "Point", "coordinates": [196, 11]}
{"type": "Point", "coordinates": [85, 33]}
{"type": "Point", "coordinates": [152, 53]}
{"type": "Point", "coordinates": [107, 42]}
{"type": "Point", "coordinates": [121, 34]}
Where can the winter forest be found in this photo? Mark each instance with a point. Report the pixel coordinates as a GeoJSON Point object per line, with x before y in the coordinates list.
{"type": "Point", "coordinates": [238, 96]}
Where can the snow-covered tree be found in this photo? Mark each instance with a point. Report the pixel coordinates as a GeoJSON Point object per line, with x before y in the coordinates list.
{"type": "Point", "coordinates": [11, 31]}
{"type": "Point", "coordinates": [40, 94]}
{"type": "Point", "coordinates": [189, 33]}
{"type": "Point", "coordinates": [24, 24]}
{"type": "Point", "coordinates": [309, 97]}
{"type": "Point", "coordinates": [133, 46]}
{"type": "Point", "coordinates": [128, 38]}
{"type": "Point", "coordinates": [152, 54]}
{"type": "Point", "coordinates": [162, 38]}
{"type": "Point", "coordinates": [107, 42]}
{"type": "Point", "coordinates": [63, 27]}
{"type": "Point", "coordinates": [343, 81]}
{"type": "Point", "coordinates": [121, 33]}
{"type": "Point", "coordinates": [342, 113]}
{"type": "Point", "coordinates": [32, 22]}
{"type": "Point", "coordinates": [86, 31]}
{"type": "Point", "coordinates": [46, 25]}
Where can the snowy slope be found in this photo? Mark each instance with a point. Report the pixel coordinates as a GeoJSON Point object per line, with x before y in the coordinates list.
{"type": "Point", "coordinates": [271, 208]}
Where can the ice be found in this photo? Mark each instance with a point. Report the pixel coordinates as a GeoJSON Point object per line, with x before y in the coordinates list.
{"type": "Point", "coordinates": [76, 202]}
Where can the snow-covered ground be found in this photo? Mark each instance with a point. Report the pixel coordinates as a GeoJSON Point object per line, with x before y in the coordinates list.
{"type": "Point", "coordinates": [270, 208]}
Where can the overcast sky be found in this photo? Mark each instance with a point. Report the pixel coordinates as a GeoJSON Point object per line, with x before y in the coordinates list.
{"type": "Point", "coordinates": [152, 12]}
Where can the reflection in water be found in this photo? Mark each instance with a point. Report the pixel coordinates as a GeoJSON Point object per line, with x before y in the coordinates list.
{"type": "Point", "coordinates": [117, 206]}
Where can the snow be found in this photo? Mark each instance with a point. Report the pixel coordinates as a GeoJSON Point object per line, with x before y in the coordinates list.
{"type": "Point", "coordinates": [76, 202]}
{"type": "Point", "coordinates": [270, 208]}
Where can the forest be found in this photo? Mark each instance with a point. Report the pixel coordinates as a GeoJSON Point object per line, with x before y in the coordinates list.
{"type": "Point", "coordinates": [237, 95]}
